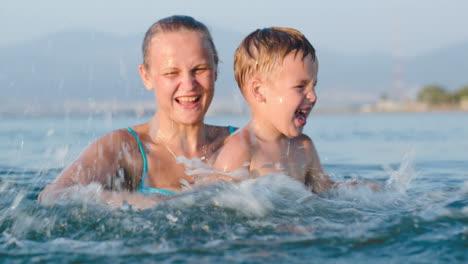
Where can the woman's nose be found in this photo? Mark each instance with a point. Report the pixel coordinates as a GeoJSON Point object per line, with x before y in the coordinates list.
{"type": "Point", "coordinates": [189, 81]}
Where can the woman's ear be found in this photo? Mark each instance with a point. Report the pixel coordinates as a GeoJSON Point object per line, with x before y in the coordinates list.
{"type": "Point", "coordinates": [145, 77]}
{"type": "Point", "coordinates": [256, 89]}
{"type": "Point", "coordinates": [215, 72]}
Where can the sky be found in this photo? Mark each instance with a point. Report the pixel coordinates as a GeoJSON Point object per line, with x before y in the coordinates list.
{"type": "Point", "coordinates": [409, 28]}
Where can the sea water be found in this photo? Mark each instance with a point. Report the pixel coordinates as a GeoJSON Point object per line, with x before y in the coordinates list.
{"type": "Point", "coordinates": [420, 216]}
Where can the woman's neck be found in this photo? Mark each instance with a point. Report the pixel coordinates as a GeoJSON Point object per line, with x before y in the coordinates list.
{"type": "Point", "coordinates": [183, 139]}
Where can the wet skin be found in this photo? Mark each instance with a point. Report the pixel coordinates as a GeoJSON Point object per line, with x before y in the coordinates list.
{"type": "Point", "coordinates": [272, 141]}
{"type": "Point", "coordinates": [181, 72]}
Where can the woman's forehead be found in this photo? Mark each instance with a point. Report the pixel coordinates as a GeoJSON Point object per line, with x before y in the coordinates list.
{"type": "Point", "coordinates": [179, 48]}
{"type": "Point", "coordinates": [187, 37]}
{"type": "Point", "coordinates": [179, 42]}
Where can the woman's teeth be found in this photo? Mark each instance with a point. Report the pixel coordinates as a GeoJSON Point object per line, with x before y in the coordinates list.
{"type": "Point", "coordinates": [188, 99]}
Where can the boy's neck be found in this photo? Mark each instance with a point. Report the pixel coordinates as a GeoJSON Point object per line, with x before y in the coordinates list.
{"type": "Point", "coordinates": [264, 130]}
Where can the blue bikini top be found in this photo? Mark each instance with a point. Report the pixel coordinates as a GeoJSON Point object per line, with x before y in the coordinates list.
{"type": "Point", "coordinates": [146, 189]}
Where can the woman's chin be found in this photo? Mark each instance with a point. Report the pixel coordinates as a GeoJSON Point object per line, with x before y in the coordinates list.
{"type": "Point", "coordinates": [189, 120]}
{"type": "Point", "coordinates": [188, 117]}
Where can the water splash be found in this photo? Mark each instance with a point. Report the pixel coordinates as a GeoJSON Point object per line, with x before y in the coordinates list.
{"type": "Point", "coordinates": [400, 180]}
{"type": "Point", "coordinates": [81, 194]}
{"type": "Point", "coordinates": [204, 174]}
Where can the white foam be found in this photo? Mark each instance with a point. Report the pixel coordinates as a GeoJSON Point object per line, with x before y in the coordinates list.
{"type": "Point", "coordinates": [79, 193]}
{"type": "Point", "coordinates": [393, 191]}
{"type": "Point", "coordinates": [203, 171]}
{"type": "Point", "coordinates": [19, 197]}
{"type": "Point", "coordinates": [464, 189]}
{"type": "Point", "coordinates": [257, 197]}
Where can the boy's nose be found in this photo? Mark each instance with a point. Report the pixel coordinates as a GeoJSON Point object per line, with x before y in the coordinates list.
{"type": "Point", "coordinates": [311, 96]}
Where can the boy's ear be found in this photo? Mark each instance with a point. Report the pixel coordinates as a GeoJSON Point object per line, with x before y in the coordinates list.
{"type": "Point", "coordinates": [256, 90]}
{"type": "Point", "coordinates": [145, 77]}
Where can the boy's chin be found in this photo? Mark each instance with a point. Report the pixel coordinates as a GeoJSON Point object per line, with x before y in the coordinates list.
{"type": "Point", "coordinates": [293, 134]}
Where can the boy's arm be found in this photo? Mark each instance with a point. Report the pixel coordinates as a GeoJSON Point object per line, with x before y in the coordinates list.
{"type": "Point", "coordinates": [319, 182]}
{"type": "Point", "coordinates": [231, 164]}
{"type": "Point", "coordinates": [315, 178]}
{"type": "Point", "coordinates": [234, 155]}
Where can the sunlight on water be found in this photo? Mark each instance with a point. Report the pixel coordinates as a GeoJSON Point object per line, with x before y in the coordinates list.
{"type": "Point", "coordinates": [419, 215]}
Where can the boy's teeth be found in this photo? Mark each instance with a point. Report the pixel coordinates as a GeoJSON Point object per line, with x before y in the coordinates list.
{"type": "Point", "coordinates": [300, 112]}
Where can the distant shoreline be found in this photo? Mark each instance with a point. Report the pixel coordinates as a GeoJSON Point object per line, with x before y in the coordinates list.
{"type": "Point", "coordinates": [138, 110]}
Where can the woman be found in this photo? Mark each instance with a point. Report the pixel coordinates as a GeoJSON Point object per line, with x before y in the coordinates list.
{"type": "Point", "coordinates": [180, 65]}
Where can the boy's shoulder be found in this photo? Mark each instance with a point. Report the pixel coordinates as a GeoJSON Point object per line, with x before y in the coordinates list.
{"type": "Point", "coordinates": [241, 139]}
{"type": "Point", "coordinates": [236, 151]}
{"type": "Point", "coordinates": [306, 145]}
{"type": "Point", "coordinates": [302, 140]}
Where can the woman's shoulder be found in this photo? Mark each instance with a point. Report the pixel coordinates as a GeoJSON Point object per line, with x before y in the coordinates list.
{"type": "Point", "coordinates": [114, 141]}
{"type": "Point", "coordinates": [118, 135]}
{"type": "Point", "coordinates": [217, 132]}
{"type": "Point", "coordinates": [116, 147]}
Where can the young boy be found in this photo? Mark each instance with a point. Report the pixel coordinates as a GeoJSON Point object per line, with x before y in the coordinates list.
{"type": "Point", "coordinates": [276, 70]}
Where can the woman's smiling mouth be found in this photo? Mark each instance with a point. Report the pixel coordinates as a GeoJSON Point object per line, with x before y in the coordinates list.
{"type": "Point", "coordinates": [188, 101]}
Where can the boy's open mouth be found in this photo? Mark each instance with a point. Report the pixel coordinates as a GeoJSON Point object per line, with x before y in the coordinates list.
{"type": "Point", "coordinates": [301, 116]}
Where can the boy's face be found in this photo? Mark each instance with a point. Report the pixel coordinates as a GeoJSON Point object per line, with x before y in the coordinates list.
{"type": "Point", "coordinates": [290, 94]}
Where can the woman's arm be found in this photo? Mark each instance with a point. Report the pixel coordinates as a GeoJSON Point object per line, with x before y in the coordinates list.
{"type": "Point", "coordinates": [106, 163]}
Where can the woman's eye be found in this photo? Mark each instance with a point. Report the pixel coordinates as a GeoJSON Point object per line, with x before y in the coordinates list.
{"type": "Point", "coordinates": [172, 73]}
{"type": "Point", "coordinates": [201, 69]}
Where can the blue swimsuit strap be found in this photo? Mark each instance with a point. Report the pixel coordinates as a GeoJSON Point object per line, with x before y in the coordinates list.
{"type": "Point", "coordinates": [142, 151]}
{"type": "Point", "coordinates": [146, 189]}
{"type": "Point", "coordinates": [231, 130]}
{"type": "Point", "coordinates": [142, 188]}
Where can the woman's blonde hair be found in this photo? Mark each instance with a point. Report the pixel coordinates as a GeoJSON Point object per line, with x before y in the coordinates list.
{"type": "Point", "coordinates": [174, 24]}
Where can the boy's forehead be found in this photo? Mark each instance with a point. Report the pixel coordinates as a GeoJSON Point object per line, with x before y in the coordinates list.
{"type": "Point", "coordinates": [294, 66]}
{"type": "Point", "coordinates": [297, 61]}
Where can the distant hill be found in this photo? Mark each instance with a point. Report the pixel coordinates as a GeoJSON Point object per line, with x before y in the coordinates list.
{"type": "Point", "coordinates": [447, 66]}
{"type": "Point", "coordinates": [71, 65]}
{"type": "Point", "coordinates": [83, 65]}
{"type": "Point", "coordinates": [373, 75]}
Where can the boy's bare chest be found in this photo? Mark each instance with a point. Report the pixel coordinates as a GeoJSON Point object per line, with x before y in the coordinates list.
{"type": "Point", "coordinates": [291, 162]}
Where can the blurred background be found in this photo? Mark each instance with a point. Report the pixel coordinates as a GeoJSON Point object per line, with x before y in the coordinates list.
{"type": "Point", "coordinates": [82, 56]}
{"type": "Point", "coordinates": [68, 74]}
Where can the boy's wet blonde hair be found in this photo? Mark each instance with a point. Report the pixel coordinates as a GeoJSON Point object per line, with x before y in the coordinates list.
{"type": "Point", "coordinates": [264, 49]}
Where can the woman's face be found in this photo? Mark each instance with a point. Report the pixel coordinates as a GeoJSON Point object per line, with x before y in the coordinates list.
{"type": "Point", "coordinates": [182, 73]}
